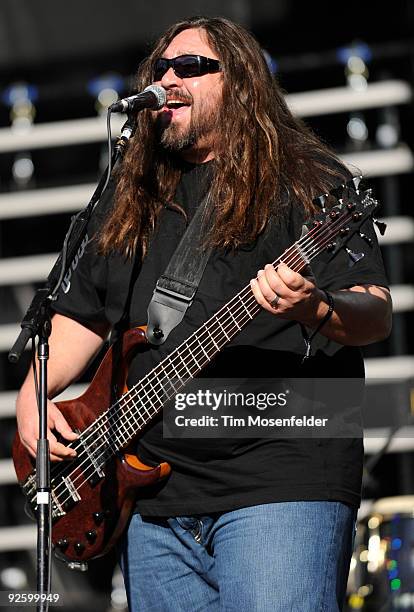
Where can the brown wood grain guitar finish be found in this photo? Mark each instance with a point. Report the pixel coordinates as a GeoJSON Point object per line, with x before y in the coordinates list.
{"type": "Point", "coordinates": [89, 529]}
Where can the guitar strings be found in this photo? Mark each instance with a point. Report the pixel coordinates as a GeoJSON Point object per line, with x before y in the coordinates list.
{"type": "Point", "coordinates": [129, 396]}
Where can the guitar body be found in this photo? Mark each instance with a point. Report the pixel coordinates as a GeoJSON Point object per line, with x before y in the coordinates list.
{"type": "Point", "coordinates": [90, 526]}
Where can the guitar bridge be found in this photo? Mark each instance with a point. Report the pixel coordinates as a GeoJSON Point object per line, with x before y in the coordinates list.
{"type": "Point", "coordinates": [29, 489]}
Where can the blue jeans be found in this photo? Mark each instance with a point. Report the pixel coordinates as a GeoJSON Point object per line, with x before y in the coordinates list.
{"type": "Point", "coordinates": [290, 557]}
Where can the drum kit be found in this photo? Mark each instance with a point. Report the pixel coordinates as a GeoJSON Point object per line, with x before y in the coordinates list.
{"type": "Point", "coordinates": [381, 577]}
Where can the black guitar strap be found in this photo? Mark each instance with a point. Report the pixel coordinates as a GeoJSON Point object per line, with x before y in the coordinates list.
{"type": "Point", "coordinates": [175, 289]}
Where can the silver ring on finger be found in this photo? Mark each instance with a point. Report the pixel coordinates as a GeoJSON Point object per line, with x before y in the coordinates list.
{"type": "Point", "coordinates": [273, 303]}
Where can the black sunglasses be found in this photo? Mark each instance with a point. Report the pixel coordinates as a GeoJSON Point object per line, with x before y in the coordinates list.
{"type": "Point", "coordinates": [186, 66]}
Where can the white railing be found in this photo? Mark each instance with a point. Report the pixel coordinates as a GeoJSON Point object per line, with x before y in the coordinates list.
{"type": "Point", "coordinates": [345, 99]}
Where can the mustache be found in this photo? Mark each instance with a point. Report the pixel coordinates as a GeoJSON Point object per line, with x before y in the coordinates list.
{"type": "Point", "coordinates": [176, 94]}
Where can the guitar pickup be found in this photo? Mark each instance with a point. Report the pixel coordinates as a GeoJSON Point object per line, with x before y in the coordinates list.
{"type": "Point", "coordinates": [71, 489]}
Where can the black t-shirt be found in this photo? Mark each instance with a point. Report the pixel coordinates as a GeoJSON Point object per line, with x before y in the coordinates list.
{"type": "Point", "coordinates": [221, 474]}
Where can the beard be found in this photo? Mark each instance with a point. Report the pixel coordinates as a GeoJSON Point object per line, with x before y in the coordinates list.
{"type": "Point", "coordinates": [203, 125]}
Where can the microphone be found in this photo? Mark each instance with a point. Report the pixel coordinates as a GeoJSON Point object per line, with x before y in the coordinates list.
{"type": "Point", "coordinates": [153, 97]}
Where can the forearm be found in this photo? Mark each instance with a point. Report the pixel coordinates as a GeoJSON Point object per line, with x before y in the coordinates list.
{"type": "Point", "coordinates": [71, 348]}
{"type": "Point", "coordinates": [361, 316]}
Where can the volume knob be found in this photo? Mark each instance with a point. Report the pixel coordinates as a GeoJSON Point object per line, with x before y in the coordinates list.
{"type": "Point", "coordinates": [91, 536]}
{"type": "Point", "coordinates": [79, 547]}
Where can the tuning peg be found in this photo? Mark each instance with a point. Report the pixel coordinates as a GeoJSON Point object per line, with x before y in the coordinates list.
{"type": "Point", "coordinates": [356, 181]}
{"type": "Point", "coordinates": [331, 246]}
{"type": "Point", "coordinates": [320, 201]}
{"type": "Point", "coordinates": [366, 238]}
{"type": "Point", "coordinates": [353, 257]}
{"type": "Point", "coordinates": [380, 225]}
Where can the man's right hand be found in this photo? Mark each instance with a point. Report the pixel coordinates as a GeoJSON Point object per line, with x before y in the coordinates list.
{"type": "Point", "coordinates": [28, 426]}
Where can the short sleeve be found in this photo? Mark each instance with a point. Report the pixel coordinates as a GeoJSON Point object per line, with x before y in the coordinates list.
{"type": "Point", "coordinates": [82, 293]}
{"type": "Point", "coordinates": [359, 262]}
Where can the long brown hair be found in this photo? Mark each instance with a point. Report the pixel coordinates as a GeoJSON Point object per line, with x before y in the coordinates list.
{"type": "Point", "coordinates": [263, 152]}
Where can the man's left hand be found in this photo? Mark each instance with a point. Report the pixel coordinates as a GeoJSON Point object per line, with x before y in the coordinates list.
{"type": "Point", "coordinates": [287, 293]}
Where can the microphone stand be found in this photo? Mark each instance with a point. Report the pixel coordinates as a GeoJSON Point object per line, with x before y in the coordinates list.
{"type": "Point", "coordinates": [37, 322]}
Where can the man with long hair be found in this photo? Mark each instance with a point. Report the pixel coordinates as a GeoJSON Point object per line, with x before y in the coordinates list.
{"type": "Point", "coordinates": [261, 524]}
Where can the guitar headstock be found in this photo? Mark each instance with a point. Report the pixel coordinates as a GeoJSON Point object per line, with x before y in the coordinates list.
{"type": "Point", "coordinates": [343, 211]}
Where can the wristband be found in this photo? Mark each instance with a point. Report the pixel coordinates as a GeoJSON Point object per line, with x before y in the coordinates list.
{"type": "Point", "coordinates": [308, 339]}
